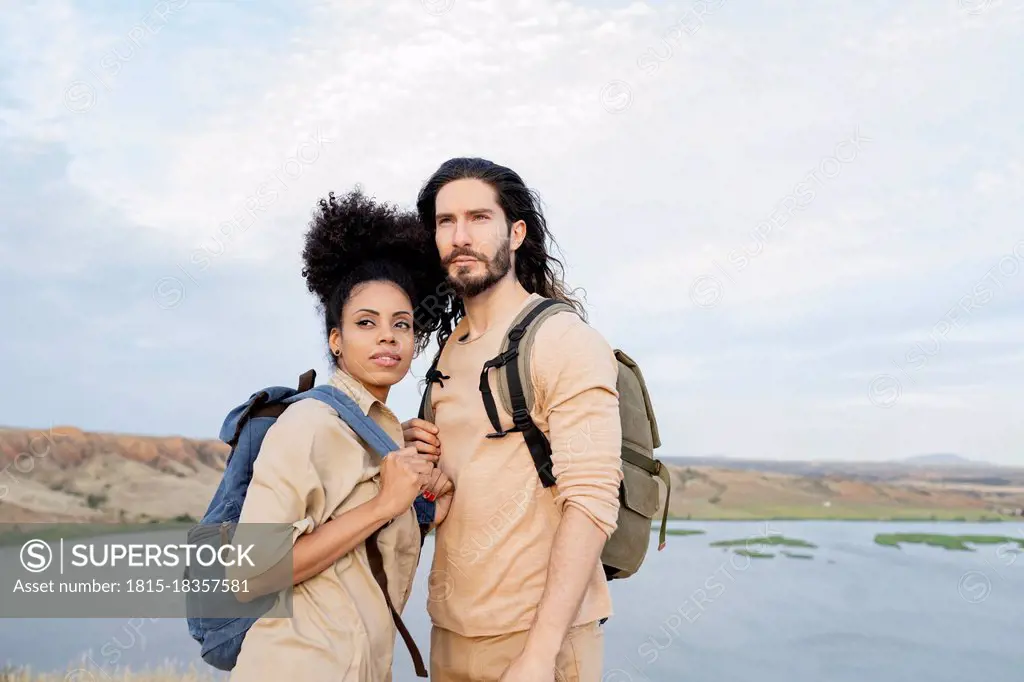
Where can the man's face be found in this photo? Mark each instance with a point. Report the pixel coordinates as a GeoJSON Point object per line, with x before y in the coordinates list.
{"type": "Point", "coordinates": [472, 236]}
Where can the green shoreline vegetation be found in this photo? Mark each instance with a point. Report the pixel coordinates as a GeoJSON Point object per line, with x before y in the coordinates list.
{"type": "Point", "coordinates": [678, 531]}
{"type": "Point", "coordinates": [841, 513]}
{"type": "Point", "coordinates": [956, 543]}
{"type": "Point", "coordinates": [751, 547]}
{"type": "Point", "coordinates": [763, 542]}
{"type": "Point", "coordinates": [15, 534]}
{"type": "Point", "coordinates": [769, 540]}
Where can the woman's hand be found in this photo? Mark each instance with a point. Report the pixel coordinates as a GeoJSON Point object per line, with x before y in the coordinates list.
{"type": "Point", "coordinates": [423, 436]}
{"type": "Point", "coordinates": [441, 491]}
{"type": "Point", "coordinates": [441, 507]}
{"type": "Point", "coordinates": [403, 474]}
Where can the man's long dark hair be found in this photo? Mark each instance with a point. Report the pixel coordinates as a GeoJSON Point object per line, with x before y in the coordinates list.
{"type": "Point", "coordinates": [536, 269]}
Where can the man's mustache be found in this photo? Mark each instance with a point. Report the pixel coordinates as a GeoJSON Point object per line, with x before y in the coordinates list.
{"type": "Point", "coordinates": [463, 253]}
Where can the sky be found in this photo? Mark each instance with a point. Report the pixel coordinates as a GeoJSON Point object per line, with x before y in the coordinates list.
{"type": "Point", "coordinates": [803, 222]}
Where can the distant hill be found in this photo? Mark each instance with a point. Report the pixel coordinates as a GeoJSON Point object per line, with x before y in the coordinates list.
{"type": "Point", "coordinates": [931, 465]}
{"type": "Point", "coordinates": [942, 459]}
{"type": "Point", "coordinates": [702, 492]}
{"type": "Point", "coordinates": [66, 474]}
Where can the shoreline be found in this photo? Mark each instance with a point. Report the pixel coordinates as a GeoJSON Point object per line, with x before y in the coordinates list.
{"type": "Point", "coordinates": [852, 519]}
{"type": "Point", "coordinates": [55, 531]}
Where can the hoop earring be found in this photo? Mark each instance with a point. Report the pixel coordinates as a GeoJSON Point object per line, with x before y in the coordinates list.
{"type": "Point", "coordinates": [337, 352]}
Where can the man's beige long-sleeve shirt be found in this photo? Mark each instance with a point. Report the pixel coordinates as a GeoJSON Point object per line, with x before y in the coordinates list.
{"type": "Point", "coordinates": [492, 552]}
{"type": "Point", "coordinates": [312, 468]}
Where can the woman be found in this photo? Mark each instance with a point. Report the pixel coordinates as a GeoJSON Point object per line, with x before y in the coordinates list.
{"type": "Point", "coordinates": [370, 266]}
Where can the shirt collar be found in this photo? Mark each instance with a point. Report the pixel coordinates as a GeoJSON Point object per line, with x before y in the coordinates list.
{"type": "Point", "coordinates": [350, 385]}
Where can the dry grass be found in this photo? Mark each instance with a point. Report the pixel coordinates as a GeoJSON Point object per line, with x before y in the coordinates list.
{"type": "Point", "coordinates": [164, 673]}
{"type": "Point", "coordinates": [117, 488]}
{"type": "Point", "coordinates": [700, 492]}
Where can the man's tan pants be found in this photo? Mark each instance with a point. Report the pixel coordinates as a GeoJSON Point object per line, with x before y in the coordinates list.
{"type": "Point", "coordinates": [454, 658]}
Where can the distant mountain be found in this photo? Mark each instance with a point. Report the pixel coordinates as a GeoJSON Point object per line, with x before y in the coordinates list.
{"type": "Point", "coordinates": [942, 459]}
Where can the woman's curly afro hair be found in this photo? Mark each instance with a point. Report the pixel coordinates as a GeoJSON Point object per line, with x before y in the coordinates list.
{"type": "Point", "coordinates": [354, 239]}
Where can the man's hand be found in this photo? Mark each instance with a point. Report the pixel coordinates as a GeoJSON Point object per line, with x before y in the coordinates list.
{"type": "Point", "coordinates": [422, 435]}
{"type": "Point", "coordinates": [529, 668]}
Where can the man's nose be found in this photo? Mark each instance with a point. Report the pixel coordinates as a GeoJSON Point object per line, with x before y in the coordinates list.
{"type": "Point", "coordinates": [461, 236]}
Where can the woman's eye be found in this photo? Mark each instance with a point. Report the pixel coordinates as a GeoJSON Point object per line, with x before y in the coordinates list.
{"type": "Point", "coordinates": [403, 324]}
{"type": "Point", "coordinates": [362, 323]}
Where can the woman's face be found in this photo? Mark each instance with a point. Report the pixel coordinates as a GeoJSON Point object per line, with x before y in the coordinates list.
{"type": "Point", "coordinates": [376, 338]}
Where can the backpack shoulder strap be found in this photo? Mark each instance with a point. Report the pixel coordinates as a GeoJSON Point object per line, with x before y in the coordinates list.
{"type": "Point", "coordinates": [426, 411]}
{"type": "Point", "coordinates": [376, 561]}
{"type": "Point", "coordinates": [367, 429]}
{"type": "Point", "coordinates": [514, 374]}
{"type": "Point", "coordinates": [307, 380]}
{"type": "Point", "coordinates": [350, 412]}
{"type": "Point", "coordinates": [538, 312]}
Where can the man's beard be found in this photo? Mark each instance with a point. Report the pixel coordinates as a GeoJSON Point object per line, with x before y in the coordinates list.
{"type": "Point", "coordinates": [468, 286]}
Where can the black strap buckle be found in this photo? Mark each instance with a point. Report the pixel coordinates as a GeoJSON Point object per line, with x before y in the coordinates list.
{"type": "Point", "coordinates": [502, 359]}
{"type": "Point", "coordinates": [436, 376]}
{"type": "Point", "coordinates": [521, 418]}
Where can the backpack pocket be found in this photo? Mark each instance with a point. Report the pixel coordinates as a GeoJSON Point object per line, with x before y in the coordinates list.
{"type": "Point", "coordinates": [639, 492]}
{"type": "Point", "coordinates": [626, 549]}
{"type": "Point", "coordinates": [223, 641]}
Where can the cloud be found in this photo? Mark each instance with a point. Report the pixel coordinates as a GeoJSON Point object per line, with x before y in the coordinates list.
{"type": "Point", "coordinates": [766, 208]}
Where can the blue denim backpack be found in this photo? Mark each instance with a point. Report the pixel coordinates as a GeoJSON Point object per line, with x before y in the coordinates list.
{"type": "Point", "coordinates": [244, 429]}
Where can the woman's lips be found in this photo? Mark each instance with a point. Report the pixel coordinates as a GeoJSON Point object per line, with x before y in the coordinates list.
{"type": "Point", "coordinates": [384, 360]}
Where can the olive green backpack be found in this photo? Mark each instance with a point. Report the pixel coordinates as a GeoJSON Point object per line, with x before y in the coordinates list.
{"type": "Point", "coordinates": [639, 493]}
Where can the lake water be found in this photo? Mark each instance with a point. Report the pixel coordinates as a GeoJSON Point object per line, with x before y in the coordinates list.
{"type": "Point", "coordinates": [856, 611]}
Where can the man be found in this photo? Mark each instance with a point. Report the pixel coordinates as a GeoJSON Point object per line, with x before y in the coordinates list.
{"type": "Point", "coordinates": [517, 591]}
